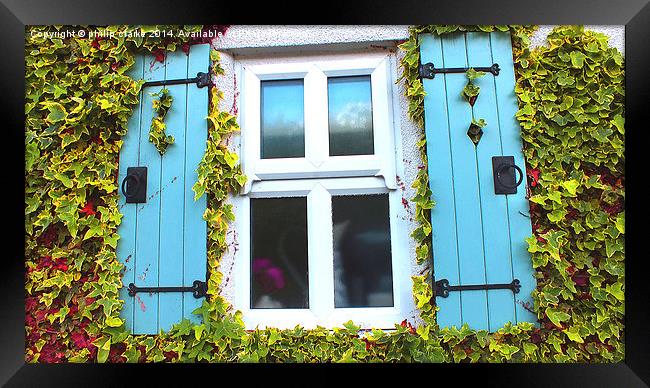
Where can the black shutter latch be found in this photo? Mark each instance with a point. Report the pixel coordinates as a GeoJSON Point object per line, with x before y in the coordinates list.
{"type": "Point", "coordinates": [428, 70]}
{"type": "Point", "coordinates": [201, 80]}
{"type": "Point", "coordinates": [443, 288]}
{"type": "Point", "coordinates": [199, 289]}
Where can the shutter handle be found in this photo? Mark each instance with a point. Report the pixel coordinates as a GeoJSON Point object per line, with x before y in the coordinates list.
{"type": "Point", "coordinates": [136, 183]}
{"type": "Point", "coordinates": [134, 186]}
{"type": "Point", "coordinates": [504, 177]}
{"type": "Point", "coordinates": [505, 167]}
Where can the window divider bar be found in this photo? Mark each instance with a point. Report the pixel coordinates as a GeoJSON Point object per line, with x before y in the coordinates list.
{"type": "Point", "coordinates": [320, 251]}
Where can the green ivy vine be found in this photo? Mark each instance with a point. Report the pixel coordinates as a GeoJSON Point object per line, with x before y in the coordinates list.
{"type": "Point", "coordinates": [161, 106]}
{"type": "Point", "coordinates": [471, 91]}
{"type": "Point", "coordinates": [78, 101]}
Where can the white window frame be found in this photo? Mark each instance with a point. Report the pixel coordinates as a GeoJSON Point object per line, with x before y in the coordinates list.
{"type": "Point", "coordinates": [317, 162]}
{"type": "Point", "coordinates": [318, 177]}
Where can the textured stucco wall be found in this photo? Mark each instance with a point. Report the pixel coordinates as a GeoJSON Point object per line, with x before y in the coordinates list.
{"type": "Point", "coordinates": [246, 37]}
{"type": "Point", "coordinates": [246, 42]}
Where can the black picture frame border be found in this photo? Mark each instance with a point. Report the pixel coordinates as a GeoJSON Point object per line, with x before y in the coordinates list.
{"type": "Point", "coordinates": [16, 14]}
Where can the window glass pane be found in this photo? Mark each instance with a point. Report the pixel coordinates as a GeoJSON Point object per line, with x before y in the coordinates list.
{"type": "Point", "coordinates": [350, 115]}
{"type": "Point", "coordinates": [279, 253]}
{"type": "Point", "coordinates": [283, 123]}
{"type": "Point", "coordinates": [362, 255]}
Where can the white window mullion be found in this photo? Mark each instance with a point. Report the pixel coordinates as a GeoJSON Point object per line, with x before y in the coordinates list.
{"type": "Point", "coordinates": [316, 129]}
{"type": "Point", "coordinates": [320, 248]}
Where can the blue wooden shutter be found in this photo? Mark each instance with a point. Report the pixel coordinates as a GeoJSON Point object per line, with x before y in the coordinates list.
{"type": "Point", "coordinates": [163, 241]}
{"type": "Point", "coordinates": [478, 236]}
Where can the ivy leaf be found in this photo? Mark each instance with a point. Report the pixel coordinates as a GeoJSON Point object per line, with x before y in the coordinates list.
{"type": "Point", "coordinates": [619, 123]}
{"type": "Point", "coordinates": [571, 186]}
{"type": "Point", "coordinates": [114, 322]}
{"type": "Point", "coordinates": [616, 290]}
{"type": "Point", "coordinates": [473, 74]}
{"type": "Point", "coordinates": [556, 316]}
{"type": "Point", "coordinates": [57, 112]}
{"type": "Point", "coordinates": [577, 59]}
{"type": "Point", "coordinates": [103, 348]}
{"type": "Point", "coordinates": [67, 182]}
{"type": "Point", "coordinates": [231, 159]}
{"type": "Point", "coordinates": [274, 336]}
{"type": "Point", "coordinates": [620, 222]}
{"type": "Point", "coordinates": [32, 153]}
{"type": "Point", "coordinates": [351, 327]}
{"type": "Point", "coordinates": [557, 215]}
{"type": "Point", "coordinates": [198, 331]}
{"type": "Point", "coordinates": [574, 334]}
{"type": "Point", "coordinates": [132, 354]}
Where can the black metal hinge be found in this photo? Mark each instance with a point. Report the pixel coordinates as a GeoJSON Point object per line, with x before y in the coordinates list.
{"type": "Point", "coordinates": [201, 80]}
{"type": "Point", "coordinates": [428, 70]}
{"type": "Point", "coordinates": [199, 289]}
{"type": "Point", "coordinates": [443, 288]}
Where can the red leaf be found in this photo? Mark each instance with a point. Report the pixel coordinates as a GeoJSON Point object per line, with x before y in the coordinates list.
{"type": "Point", "coordinates": [159, 55]}
{"type": "Point", "coordinates": [580, 278]}
{"type": "Point", "coordinates": [61, 264]}
{"type": "Point", "coordinates": [534, 176]}
{"type": "Point", "coordinates": [115, 354]}
{"type": "Point", "coordinates": [572, 214]}
{"type": "Point", "coordinates": [612, 210]}
{"type": "Point", "coordinates": [88, 209]}
{"type": "Point", "coordinates": [535, 337]}
{"type": "Point", "coordinates": [46, 262]}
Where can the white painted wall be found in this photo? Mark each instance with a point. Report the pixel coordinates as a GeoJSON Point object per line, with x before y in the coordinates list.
{"type": "Point", "coordinates": [277, 41]}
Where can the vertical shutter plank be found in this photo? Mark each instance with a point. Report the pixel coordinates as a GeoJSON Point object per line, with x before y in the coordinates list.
{"type": "Point", "coordinates": [443, 217]}
{"type": "Point", "coordinates": [493, 207]}
{"type": "Point", "coordinates": [195, 247]}
{"type": "Point", "coordinates": [172, 195]}
{"type": "Point", "coordinates": [148, 226]}
{"type": "Point", "coordinates": [468, 207]}
{"type": "Point", "coordinates": [129, 155]}
{"type": "Point", "coordinates": [518, 208]}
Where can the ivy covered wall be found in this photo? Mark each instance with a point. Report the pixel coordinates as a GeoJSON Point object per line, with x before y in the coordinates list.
{"type": "Point", "coordinates": [78, 101]}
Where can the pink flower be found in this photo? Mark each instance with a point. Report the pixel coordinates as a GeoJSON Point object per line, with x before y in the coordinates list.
{"type": "Point", "coordinates": [267, 275]}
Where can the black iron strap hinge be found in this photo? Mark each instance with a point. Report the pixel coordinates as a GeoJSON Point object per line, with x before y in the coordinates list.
{"type": "Point", "coordinates": [201, 80]}
{"type": "Point", "coordinates": [199, 289]}
{"type": "Point", "coordinates": [428, 70]}
{"type": "Point", "coordinates": [443, 288]}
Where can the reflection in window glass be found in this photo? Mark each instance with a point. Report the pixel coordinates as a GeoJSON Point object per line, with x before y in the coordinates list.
{"type": "Point", "coordinates": [283, 124]}
{"type": "Point", "coordinates": [362, 254]}
{"type": "Point", "coordinates": [279, 253]}
{"type": "Point", "coordinates": [350, 116]}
